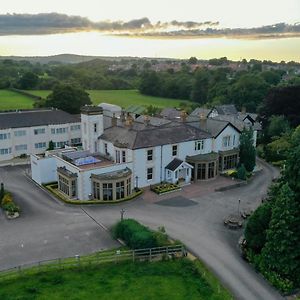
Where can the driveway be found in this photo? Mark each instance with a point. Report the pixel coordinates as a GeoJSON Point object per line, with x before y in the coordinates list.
{"type": "Point", "coordinates": [48, 229]}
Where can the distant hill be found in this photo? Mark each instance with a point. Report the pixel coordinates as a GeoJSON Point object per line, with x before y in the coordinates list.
{"type": "Point", "coordinates": [69, 58]}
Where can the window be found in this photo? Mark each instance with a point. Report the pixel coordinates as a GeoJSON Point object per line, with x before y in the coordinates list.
{"type": "Point", "coordinates": [123, 156]}
{"type": "Point", "coordinates": [169, 174]}
{"type": "Point", "coordinates": [73, 188]}
{"type": "Point", "coordinates": [118, 157]}
{"type": "Point", "coordinates": [230, 162]}
{"type": "Point", "coordinates": [233, 142]}
{"type": "Point", "coordinates": [201, 171]}
{"type": "Point", "coordinates": [52, 130]}
{"type": "Point", "coordinates": [63, 185]}
{"type": "Point", "coordinates": [149, 173]}
{"type": "Point", "coordinates": [150, 155]}
{"type": "Point", "coordinates": [75, 127]}
{"type": "Point", "coordinates": [95, 127]}
{"type": "Point", "coordinates": [226, 141]}
{"type": "Point", "coordinates": [199, 145]}
{"type": "Point", "coordinates": [211, 170]}
{"type": "Point", "coordinates": [40, 145]}
{"type": "Point", "coordinates": [105, 148]}
{"type": "Point", "coordinates": [120, 192]}
{"type": "Point", "coordinates": [128, 183]}
{"type": "Point", "coordinates": [21, 147]}
{"type": "Point", "coordinates": [107, 189]}
{"type": "Point", "coordinates": [61, 130]}
{"type": "Point", "coordinates": [96, 190]}
{"type": "Point", "coordinates": [76, 141]}
{"type": "Point", "coordinates": [39, 131]}
{"type": "Point", "coordinates": [176, 174]}
{"type": "Point", "coordinates": [5, 151]}
{"type": "Point", "coordinates": [174, 150]}
{"type": "Point", "coordinates": [4, 136]}
{"type": "Point", "coordinates": [60, 144]}
{"type": "Point", "coordinates": [20, 133]}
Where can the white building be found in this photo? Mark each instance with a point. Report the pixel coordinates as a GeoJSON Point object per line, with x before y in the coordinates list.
{"type": "Point", "coordinates": [30, 131]}
{"type": "Point", "coordinates": [127, 153]}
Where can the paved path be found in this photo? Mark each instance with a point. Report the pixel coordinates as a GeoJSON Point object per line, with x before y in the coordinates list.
{"type": "Point", "coordinates": [45, 225]}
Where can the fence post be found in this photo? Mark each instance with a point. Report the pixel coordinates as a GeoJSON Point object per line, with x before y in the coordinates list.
{"type": "Point", "coordinates": [150, 254]}
{"type": "Point", "coordinates": [133, 255]}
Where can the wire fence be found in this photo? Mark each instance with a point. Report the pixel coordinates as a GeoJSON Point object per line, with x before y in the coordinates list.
{"type": "Point", "coordinates": [116, 256]}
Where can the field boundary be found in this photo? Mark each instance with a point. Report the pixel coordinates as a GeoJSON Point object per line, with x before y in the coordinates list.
{"type": "Point", "coordinates": [116, 256]}
{"type": "Point", "coordinates": [34, 97]}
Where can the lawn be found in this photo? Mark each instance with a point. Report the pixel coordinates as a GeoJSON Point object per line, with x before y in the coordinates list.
{"type": "Point", "coordinates": [176, 280]}
{"type": "Point", "coordinates": [123, 98]}
{"type": "Point", "coordinates": [11, 100]}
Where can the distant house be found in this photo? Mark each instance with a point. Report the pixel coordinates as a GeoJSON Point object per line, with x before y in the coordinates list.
{"type": "Point", "coordinates": [122, 153]}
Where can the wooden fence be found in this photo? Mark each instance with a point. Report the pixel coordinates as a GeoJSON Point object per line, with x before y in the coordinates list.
{"type": "Point", "coordinates": [77, 261]}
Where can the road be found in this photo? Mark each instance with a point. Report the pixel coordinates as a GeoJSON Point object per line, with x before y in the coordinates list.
{"type": "Point", "coordinates": [198, 223]}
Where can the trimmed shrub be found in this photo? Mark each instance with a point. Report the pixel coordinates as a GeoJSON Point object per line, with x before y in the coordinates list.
{"type": "Point", "coordinates": [134, 234]}
{"type": "Point", "coordinates": [242, 173]}
{"type": "Point", "coordinates": [7, 199]}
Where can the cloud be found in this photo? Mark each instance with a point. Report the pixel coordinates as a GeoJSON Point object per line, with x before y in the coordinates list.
{"type": "Point", "coordinates": [48, 23]}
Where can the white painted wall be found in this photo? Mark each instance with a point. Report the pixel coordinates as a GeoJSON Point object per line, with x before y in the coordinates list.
{"type": "Point", "coordinates": [30, 139]}
{"type": "Point", "coordinates": [43, 169]}
{"type": "Point", "coordinates": [89, 134]}
{"type": "Point", "coordinates": [228, 131]}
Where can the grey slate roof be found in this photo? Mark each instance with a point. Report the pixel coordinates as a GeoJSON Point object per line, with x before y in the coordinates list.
{"type": "Point", "coordinates": [153, 121]}
{"type": "Point", "coordinates": [170, 113]}
{"type": "Point", "coordinates": [227, 109]}
{"type": "Point", "coordinates": [151, 137]}
{"type": "Point", "coordinates": [200, 110]}
{"type": "Point", "coordinates": [174, 164]}
{"type": "Point", "coordinates": [35, 118]}
{"type": "Point", "coordinates": [212, 126]}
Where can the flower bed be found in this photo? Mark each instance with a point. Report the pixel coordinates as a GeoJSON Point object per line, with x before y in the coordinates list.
{"type": "Point", "coordinates": [164, 187]}
{"type": "Point", "coordinates": [11, 209]}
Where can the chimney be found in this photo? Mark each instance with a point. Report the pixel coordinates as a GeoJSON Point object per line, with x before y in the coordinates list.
{"type": "Point", "coordinates": [203, 121]}
{"type": "Point", "coordinates": [146, 120]}
{"type": "Point", "coordinates": [183, 116]}
{"type": "Point", "coordinates": [122, 117]}
{"type": "Point", "coordinates": [129, 120]}
{"type": "Point", "coordinates": [114, 120]}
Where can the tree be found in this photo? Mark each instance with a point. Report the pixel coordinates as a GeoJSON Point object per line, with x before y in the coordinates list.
{"type": "Point", "coordinates": [242, 172]}
{"type": "Point", "coordinates": [247, 150]}
{"type": "Point", "coordinates": [277, 126]}
{"type": "Point", "coordinates": [51, 145]}
{"type": "Point", "coordinates": [193, 60]}
{"type": "Point", "coordinates": [68, 98]}
{"type": "Point", "coordinates": [282, 101]}
{"type": "Point", "coordinates": [271, 77]}
{"type": "Point", "coordinates": [248, 91]}
{"type": "Point", "coordinates": [200, 86]}
{"type": "Point", "coordinates": [281, 253]}
{"type": "Point", "coordinates": [28, 81]}
{"type": "Point", "coordinates": [256, 228]}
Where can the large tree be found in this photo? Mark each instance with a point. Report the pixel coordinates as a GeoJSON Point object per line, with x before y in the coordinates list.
{"type": "Point", "coordinates": [281, 253]}
{"type": "Point", "coordinates": [200, 86]}
{"type": "Point", "coordinates": [68, 98]}
{"type": "Point", "coordinates": [247, 150]}
{"type": "Point", "coordinates": [282, 101]}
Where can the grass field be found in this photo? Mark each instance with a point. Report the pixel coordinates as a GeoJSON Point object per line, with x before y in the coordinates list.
{"type": "Point", "coordinates": [12, 100]}
{"type": "Point", "coordinates": [123, 98]}
{"type": "Point", "coordinates": [176, 280]}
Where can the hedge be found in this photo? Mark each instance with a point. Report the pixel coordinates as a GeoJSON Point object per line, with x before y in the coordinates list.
{"type": "Point", "coordinates": [135, 235]}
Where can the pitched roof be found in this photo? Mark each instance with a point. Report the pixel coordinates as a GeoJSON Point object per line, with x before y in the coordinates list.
{"type": "Point", "coordinates": [170, 113]}
{"type": "Point", "coordinates": [227, 109]}
{"type": "Point", "coordinates": [174, 164]}
{"type": "Point", "coordinates": [36, 118]}
{"type": "Point", "coordinates": [134, 138]}
{"type": "Point", "coordinates": [212, 126]}
{"type": "Point", "coordinates": [200, 110]}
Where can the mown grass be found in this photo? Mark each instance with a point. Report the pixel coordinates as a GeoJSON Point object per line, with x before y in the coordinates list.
{"type": "Point", "coordinates": [176, 280]}
{"type": "Point", "coordinates": [123, 98]}
{"type": "Point", "coordinates": [10, 100]}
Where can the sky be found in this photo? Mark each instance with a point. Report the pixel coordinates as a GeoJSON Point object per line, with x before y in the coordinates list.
{"type": "Point", "coordinates": [152, 33]}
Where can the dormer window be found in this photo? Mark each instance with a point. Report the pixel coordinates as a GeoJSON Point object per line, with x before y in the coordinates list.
{"type": "Point", "coordinates": [199, 145]}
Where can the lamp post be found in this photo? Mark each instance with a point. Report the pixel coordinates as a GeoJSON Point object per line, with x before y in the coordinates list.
{"type": "Point", "coordinates": [122, 211]}
{"type": "Point", "coordinates": [239, 206]}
